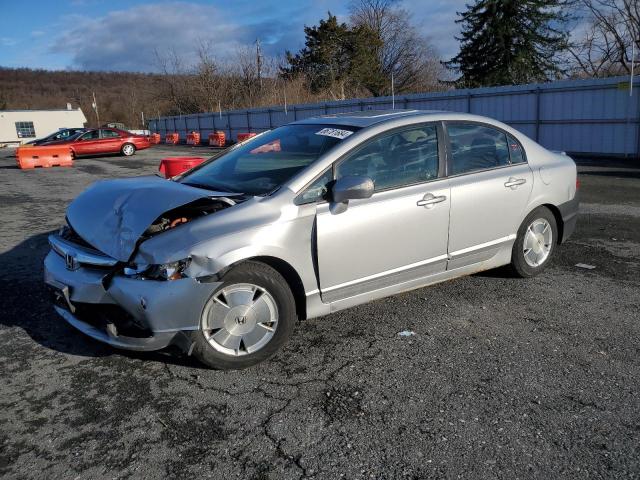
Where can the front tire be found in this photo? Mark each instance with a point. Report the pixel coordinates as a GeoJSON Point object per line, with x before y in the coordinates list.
{"type": "Point", "coordinates": [535, 244]}
{"type": "Point", "coordinates": [128, 149]}
{"type": "Point", "coordinates": [246, 320]}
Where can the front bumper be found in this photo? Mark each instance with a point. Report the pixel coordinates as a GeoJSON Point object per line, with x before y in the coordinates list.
{"type": "Point", "coordinates": [163, 310]}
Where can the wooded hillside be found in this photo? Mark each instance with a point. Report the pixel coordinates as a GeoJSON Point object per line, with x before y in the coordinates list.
{"type": "Point", "coordinates": [121, 95]}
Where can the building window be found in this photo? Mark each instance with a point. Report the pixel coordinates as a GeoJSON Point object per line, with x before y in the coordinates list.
{"type": "Point", "coordinates": [25, 130]}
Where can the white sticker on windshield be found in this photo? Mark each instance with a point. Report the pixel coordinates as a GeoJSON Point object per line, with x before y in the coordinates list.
{"type": "Point", "coordinates": [334, 132]}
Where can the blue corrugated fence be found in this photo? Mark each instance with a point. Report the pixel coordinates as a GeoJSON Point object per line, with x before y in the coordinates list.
{"type": "Point", "coordinates": [593, 116]}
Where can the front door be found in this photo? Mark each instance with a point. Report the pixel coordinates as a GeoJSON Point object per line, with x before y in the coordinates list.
{"type": "Point", "coordinates": [397, 235]}
{"type": "Point", "coordinates": [490, 187]}
{"type": "Point", "coordinates": [87, 143]}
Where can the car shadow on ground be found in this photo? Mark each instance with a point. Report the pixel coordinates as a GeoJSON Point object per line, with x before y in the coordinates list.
{"type": "Point", "coordinates": [26, 304]}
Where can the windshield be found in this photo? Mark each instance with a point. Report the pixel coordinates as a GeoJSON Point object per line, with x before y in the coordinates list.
{"type": "Point", "coordinates": [268, 161]}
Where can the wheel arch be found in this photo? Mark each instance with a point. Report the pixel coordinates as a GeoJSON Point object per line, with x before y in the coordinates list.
{"type": "Point", "coordinates": [290, 276]}
{"type": "Point", "coordinates": [556, 214]}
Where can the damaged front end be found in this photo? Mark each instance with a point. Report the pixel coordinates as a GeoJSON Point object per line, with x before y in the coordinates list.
{"type": "Point", "coordinates": [96, 286]}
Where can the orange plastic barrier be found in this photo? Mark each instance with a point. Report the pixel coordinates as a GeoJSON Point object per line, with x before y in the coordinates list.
{"type": "Point", "coordinates": [268, 147]}
{"type": "Point", "coordinates": [155, 138]}
{"type": "Point", "coordinates": [172, 166]}
{"type": "Point", "coordinates": [53, 156]}
{"type": "Point", "coordinates": [217, 139]}
{"type": "Point", "coordinates": [193, 138]}
{"type": "Point", "coordinates": [172, 138]}
{"type": "Point", "coordinates": [244, 136]}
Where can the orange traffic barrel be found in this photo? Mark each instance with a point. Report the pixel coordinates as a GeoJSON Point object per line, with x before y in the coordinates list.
{"type": "Point", "coordinates": [245, 136]}
{"type": "Point", "coordinates": [217, 139]}
{"type": "Point", "coordinates": [193, 138]}
{"type": "Point", "coordinates": [155, 138]}
{"type": "Point", "coordinates": [172, 166]}
{"type": "Point", "coordinates": [172, 138]}
{"type": "Point", "coordinates": [45, 156]}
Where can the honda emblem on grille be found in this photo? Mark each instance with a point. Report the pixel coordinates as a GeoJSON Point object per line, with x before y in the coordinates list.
{"type": "Point", "coordinates": [70, 261]}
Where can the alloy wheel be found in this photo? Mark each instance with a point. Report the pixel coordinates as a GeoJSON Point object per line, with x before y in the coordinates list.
{"type": "Point", "coordinates": [538, 241]}
{"type": "Point", "coordinates": [240, 319]}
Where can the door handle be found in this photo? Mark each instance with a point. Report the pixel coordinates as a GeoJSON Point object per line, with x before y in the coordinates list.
{"type": "Point", "coordinates": [514, 182]}
{"type": "Point", "coordinates": [429, 200]}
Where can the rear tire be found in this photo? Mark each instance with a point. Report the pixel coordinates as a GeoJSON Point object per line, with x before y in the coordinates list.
{"type": "Point", "coordinates": [246, 320]}
{"type": "Point", "coordinates": [128, 149]}
{"type": "Point", "coordinates": [535, 244]}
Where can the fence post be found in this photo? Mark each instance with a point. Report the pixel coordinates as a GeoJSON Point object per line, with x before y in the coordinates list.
{"type": "Point", "coordinates": [537, 127]}
{"type": "Point", "coordinates": [637, 120]}
{"type": "Point", "coordinates": [326, 108]}
{"type": "Point", "coordinates": [469, 96]}
{"type": "Point", "coordinates": [294, 113]}
{"type": "Point", "coordinates": [270, 120]}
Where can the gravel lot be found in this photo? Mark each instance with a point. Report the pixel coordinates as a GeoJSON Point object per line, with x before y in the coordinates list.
{"type": "Point", "coordinates": [505, 378]}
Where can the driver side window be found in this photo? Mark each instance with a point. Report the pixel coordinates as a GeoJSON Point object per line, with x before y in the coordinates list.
{"type": "Point", "coordinates": [395, 160]}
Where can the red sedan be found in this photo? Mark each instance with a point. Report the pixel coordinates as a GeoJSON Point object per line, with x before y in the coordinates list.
{"type": "Point", "coordinates": [104, 140]}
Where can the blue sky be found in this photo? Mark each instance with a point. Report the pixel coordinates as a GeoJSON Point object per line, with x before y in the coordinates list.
{"type": "Point", "coordinates": [123, 35]}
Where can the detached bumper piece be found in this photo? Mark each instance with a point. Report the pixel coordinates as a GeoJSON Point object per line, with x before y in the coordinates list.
{"type": "Point", "coordinates": [569, 213]}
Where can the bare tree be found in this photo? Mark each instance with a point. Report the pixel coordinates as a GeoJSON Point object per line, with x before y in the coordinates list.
{"type": "Point", "coordinates": [605, 47]}
{"type": "Point", "coordinates": [208, 79]}
{"type": "Point", "coordinates": [403, 52]}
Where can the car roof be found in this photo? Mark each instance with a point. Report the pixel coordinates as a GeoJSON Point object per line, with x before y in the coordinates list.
{"type": "Point", "coordinates": [364, 118]}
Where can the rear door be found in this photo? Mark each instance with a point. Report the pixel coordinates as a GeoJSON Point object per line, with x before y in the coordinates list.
{"type": "Point", "coordinates": [397, 235]}
{"type": "Point", "coordinates": [110, 141]}
{"type": "Point", "coordinates": [490, 187]}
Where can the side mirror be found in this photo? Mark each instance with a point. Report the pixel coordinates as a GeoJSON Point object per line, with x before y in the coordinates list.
{"type": "Point", "coordinates": [351, 187]}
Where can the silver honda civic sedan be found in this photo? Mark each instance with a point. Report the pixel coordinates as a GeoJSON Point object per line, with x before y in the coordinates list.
{"type": "Point", "coordinates": [301, 221]}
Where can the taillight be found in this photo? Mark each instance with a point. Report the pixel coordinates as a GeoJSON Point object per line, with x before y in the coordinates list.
{"type": "Point", "coordinates": [577, 183]}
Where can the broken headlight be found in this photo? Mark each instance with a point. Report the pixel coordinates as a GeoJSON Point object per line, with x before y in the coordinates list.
{"type": "Point", "coordinates": [165, 271]}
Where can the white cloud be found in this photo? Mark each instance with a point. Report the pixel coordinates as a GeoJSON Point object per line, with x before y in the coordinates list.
{"type": "Point", "coordinates": [127, 39]}
{"type": "Point", "coordinates": [436, 20]}
{"type": "Point", "coordinates": [8, 42]}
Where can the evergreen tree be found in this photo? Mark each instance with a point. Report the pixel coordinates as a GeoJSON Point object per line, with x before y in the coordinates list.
{"type": "Point", "coordinates": [510, 42]}
{"type": "Point", "coordinates": [337, 56]}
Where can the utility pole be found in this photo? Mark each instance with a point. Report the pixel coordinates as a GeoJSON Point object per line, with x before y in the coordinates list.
{"type": "Point", "coordinates": [95, 107]}
{"type": "Point", "coordinates": [393, 93]}
{"type": "Point", "coordinates": [259, 62]}
{"type": "Point", "coordinates": [284, 91]}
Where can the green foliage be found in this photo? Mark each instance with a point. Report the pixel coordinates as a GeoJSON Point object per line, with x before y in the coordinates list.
{"type": "Point", "coordinates": [510, 42]}
{"type": "Point", "coordinates": [337, 55]}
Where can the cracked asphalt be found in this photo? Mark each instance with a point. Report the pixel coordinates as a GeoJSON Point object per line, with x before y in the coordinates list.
{"type": "Point", "coordinates": [505, 378]}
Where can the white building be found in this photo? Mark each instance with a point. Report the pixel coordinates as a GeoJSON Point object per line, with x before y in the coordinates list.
{"type": "Point", "coordinates": [20, 126]}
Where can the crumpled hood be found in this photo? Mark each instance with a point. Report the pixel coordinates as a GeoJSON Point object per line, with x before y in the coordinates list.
{"type": "Point", "coordinates": [111, 215]}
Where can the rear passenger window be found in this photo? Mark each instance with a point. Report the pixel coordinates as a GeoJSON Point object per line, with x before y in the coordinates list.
{"type": "Point", "coordinates": [515, 150]}
{"type": "Point", "coordinates": [395, 160]}
{"type": "Point", "coordinates": [109, 134]}
{"type": "Point", "coordinates": [476, 147]}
